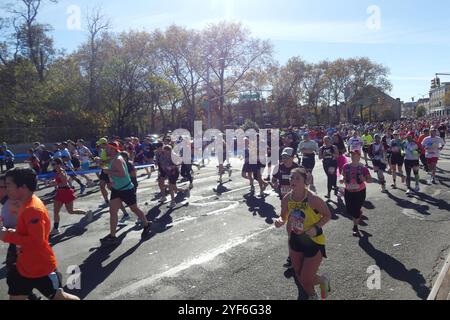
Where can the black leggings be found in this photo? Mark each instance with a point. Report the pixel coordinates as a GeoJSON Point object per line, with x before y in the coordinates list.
{"type": "Point", "coordinates": [331, 177]}
{"type": "Point", "coordinates": [409, 165]}
{"type": "Point", "coordinates": [186, 172]}
{"type": "Point", "coordinates": [354, 202]}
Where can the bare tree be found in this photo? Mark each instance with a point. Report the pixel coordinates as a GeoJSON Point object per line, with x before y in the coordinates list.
{"type": "Point", "coordinates": [179, 53]}
{"type": "Point", "coordinates": [338, 77]}
{"type": "Point", "coordinates": [229, 53]}
{"type": "Point", "coordinates": [33, 36]}
{"type": "Point", "coordinates": [97, 25]}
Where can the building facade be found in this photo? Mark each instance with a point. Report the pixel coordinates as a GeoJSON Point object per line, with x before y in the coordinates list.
{"type": "Point", "coordinates": [409, 110]}
{"type": "Point", "coordinates": [437, 105]}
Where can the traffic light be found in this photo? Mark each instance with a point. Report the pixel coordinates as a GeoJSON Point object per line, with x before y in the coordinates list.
{"type": "Point", "coordinates": [438, 82]}
{"type": "Point", "coordinates": [433, 84]}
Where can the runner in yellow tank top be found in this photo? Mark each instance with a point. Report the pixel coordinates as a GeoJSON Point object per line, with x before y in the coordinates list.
{"type": "Point", "coordinates": [305, 215]}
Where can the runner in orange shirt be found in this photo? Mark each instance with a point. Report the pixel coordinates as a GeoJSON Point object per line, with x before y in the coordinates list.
{"type": "Point", "coordinates": [36, 266]}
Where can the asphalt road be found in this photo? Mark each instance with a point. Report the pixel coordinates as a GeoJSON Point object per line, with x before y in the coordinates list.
{"type": "Point", "coordinates": [221, 244]}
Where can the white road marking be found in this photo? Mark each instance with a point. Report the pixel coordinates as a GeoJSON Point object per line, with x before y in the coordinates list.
{"type": "Point", "coordinates": [203, 258]}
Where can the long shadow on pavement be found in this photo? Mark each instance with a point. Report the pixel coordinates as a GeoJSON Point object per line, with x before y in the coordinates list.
{"type": "Point", "coordinates": [441, 179]}
{"type": "Point", "coordinates": [407, 204]}
{"type": "Point", "coordinates": [76, 230]}
{"type": "Point", "coordinates": [394, 268]}
{"type": "Point", "coordinates": [3, 273]}
{"type": "Point", "coordinates": [259, 206]}
{"type": "Point", "coordinates": [92, 269]}
{"type": "Point", "coordinates": [339, 209]}
{"type": "Point", "coordinates": [439, 203]}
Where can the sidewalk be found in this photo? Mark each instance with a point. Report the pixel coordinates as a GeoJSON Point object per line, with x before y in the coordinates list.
{"type": "Point", "coordinates": [441, 289]}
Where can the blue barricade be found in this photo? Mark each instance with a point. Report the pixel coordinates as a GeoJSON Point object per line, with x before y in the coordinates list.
{"type": "Point", "coordinates": [81, 172]}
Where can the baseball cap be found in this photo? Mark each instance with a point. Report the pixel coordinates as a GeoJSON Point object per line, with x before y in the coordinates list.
{"type": "Point", "coordinates": [102, 141]}
{"type": "Point", "coordinates": [289, 152]}
{"type": "Point", "coordinates": [396, 132]}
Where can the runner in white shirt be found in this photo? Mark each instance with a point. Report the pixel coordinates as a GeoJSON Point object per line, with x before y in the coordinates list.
{"type": "Point", "coordinates": [355, 143]}
{"type": "Point", "coordinates": [85, 155]}
{"type": "Point", "coordinates": [433, 144]}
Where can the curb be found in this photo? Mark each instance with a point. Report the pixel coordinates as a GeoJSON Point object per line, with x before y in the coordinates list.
{"type": "Point", "coordinates": [441, 288]}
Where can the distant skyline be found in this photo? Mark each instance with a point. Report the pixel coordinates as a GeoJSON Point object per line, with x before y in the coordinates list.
{"type": "Point", "coordinates": [412, 38]}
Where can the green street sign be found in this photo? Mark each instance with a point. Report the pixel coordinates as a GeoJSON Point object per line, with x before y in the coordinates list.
{"type": "Point", "coordinates": [253, 96]}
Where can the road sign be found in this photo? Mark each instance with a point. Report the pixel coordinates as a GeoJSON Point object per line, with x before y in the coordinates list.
{"type": "Point", "coordinates": [253, 96]}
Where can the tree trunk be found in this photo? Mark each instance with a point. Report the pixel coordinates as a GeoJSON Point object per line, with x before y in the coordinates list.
{"type": "Point", "coordinates": [361, 113]}
{"type": "Point", "coordinates": [174, 110]}
{"type": "Point", "coordinates": [163, 118]}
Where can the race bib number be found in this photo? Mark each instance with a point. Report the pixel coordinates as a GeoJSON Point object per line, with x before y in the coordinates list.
{"type": "Point", "coordinates": [296, 220]}
{"type": "Point", "coordinates": [353, 186]}
{"type": "Point", "coordinates": [331, 170]}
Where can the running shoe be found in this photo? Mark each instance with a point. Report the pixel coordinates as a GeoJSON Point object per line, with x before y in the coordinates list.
{"type": "Point", "coordinates": [172, 204]}
{"type": "Point", "coordinates": [383, 189]}
{"type": "Point", "coordinates": [125, 218]}
{"type": "Point", "coordinates": [417, 188]}
{"type": "Point", "coordinates": [313, 188]}
{"type": "Point", "coordinates": [328, 196]}
{"type": "Point", "coordinates": [325, 288]}
{"type": "Point", "coordinates": [433, 181]}
{"type": "Point", "coordinates": [313, 297]}
{"type": "Point", "coordinates": [163, 199]}
{"type": "Point", "coordinates": [267, 179]}
{"type": "Point", "coordinates": [394, 186]}
{"type": "Point", "coordinates": [252, 188]}
{"type": "Point", "coordinates": [82, 189]}
{"type": "Point", "coordinates": [90, 184]}
{"type": "Point", "coordinates": [146, 230]}
{"type": "Point", "coordinates": [408, 192]}
{"type": "Point", "coordinates": [109, 240]}
{"type": "Point", "coordinates": [55, 232]}
{"type": "Point", "coordinates": [356, 231]}
{"type": "Point", "coordinates": [34, 297]}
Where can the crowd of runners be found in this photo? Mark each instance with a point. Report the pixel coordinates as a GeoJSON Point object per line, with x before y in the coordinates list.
{"type": "Point", "coordinates": [395, 151]}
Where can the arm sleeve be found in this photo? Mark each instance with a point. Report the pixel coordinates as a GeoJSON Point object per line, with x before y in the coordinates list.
{"type": "Point", "coordinates": [34, 221]}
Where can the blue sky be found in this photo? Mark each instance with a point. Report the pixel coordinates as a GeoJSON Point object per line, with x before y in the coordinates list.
{"type": "Point", "coordinates": [411, 37]}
